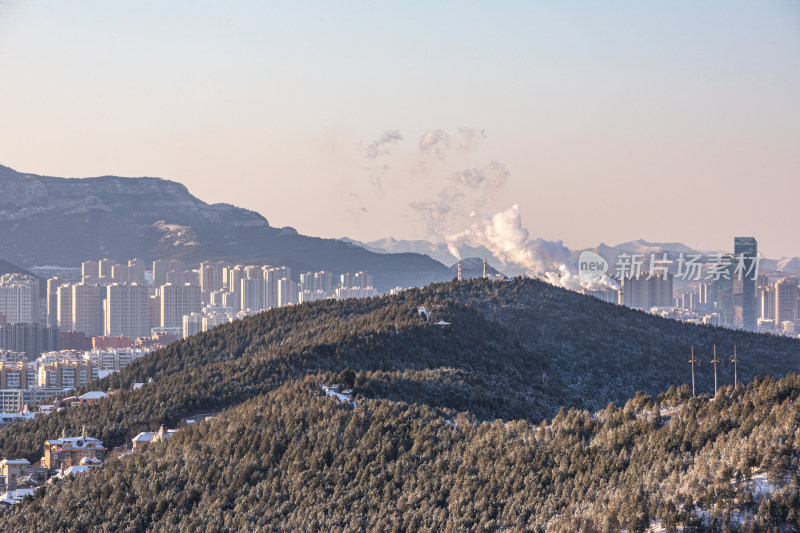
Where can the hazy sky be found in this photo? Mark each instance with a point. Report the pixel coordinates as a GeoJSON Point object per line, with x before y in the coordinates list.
{"type": "Point", "coordinates": [603, 121]}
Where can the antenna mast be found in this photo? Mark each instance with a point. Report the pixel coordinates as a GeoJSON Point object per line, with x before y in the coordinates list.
{"type": "Point", "coordinates": [693, 361]}
{"type": "Point", "coordinates": [735, 360]}
{"type": "Point", "coordinates": [715, 361]}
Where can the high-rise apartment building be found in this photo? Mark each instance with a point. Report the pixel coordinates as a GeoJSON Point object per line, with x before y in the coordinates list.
{"type": "Point", "coordinates": [30, 339]}
{"type": "Point", "coordinates": [19, 298]}
{"type": "Point", "coordinates": [745, 250]}
{"type": "Point", "coordinates": [192, 324]}
{"type": "Point", "coordinates": [105, 267]}
{"type": "Point", "coordinates": [176, 301]}
{"type": "Point", "coordinates": [323, 281]}
{"type": "Point", "coordinates": [86, 309]}
{"type": "Point", "coordinates": [64, 307]}
{"type": "Point", "coordinates": [642, 293]}
{"type": "Point", "coordinates": [160, 272]}
{"type": "Point", "coordinates": [211, 277]}
{"type": "Point", "coordinates": [723, 289]}
{"type": "Point", "coordinates": [287, 294]}
{"type": "Point", "coordinates": [126, 310]}
{"type": "Point", "coordinates": [252, 289]}
{"type": "Point", "coordinates": [272, 277]}
{"type": "Point", "coordinates": [786, 300]}
{"type": "Point", "coordinates": [766, 302]}
{"type": "Point", "coordinates": [181, 277]}
{"type": "Point", "coordinates": [362, 280]}
{"type": "Point", "coordinates": [136, 271]}
{"type": "Point", "coordinates": [154, 304]}
{"type": "Point", "coordinates": [119, 273]}
{"type": "Point", "coordinates": [235, 276]}
{"type": "Point", "coordinates": [52, 300]}
{"type": "Point", "coordinates": [90, 271]}
{"type": "Point", "coordinates": [223, 298]}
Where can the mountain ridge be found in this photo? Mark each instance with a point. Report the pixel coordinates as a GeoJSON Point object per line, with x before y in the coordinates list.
{"type": "Point", "coordinates": [454, 426]}
{"type": "Point", "coordinates": [63, 221]}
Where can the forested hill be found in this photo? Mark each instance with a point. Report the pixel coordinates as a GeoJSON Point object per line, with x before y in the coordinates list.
{"type": "Point", "coordinates": [515, 351]}
{"type": "Point", "coordinates": [512, 350]}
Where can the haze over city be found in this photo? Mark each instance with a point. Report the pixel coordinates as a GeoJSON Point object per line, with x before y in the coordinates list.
{"type": "Point", "coordinates": [602, 122]}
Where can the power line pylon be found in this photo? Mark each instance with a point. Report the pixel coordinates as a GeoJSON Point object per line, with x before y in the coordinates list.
{"type": "Point", "coordinates": [715, 361]}
{"type": "Point", "coordinates": [693, 361]}
{"type": "Point", "coordinates": [735, 361]}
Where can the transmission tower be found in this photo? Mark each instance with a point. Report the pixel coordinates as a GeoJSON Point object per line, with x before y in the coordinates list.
{"type": "Point", "coordinates": [715, 361]}
{"type": "Point", "coordinates": [693, 361]}
{"type": "Point", "coordinates": [735, 361]}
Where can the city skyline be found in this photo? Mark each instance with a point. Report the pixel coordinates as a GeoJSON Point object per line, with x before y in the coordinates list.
{"type": "Point", "coordinates": [576, 114]}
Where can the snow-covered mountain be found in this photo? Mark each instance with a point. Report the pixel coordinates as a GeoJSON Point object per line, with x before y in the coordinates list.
{"type": "Point", "coordinates": [610, 253]}
{"type": "Point", "coordinates": [437, 251]}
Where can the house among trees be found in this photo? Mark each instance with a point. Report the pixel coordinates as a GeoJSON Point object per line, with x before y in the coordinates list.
{"type": "Point", "coordinates": [68, 451]}
{"type": "Point", "coordinates": [13, 497]}
{"type": "Point", "coordinates": [15, 468]}
{"type": "Point", "coordinates": [146, 437]}
{"type": "Point", "coordinates": [92, 396]}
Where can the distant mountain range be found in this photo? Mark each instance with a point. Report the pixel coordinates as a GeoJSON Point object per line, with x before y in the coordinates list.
{"type": "Point", "coordinates": [60, 221]}
{"type": "Point", "coordinates": [439, 251]}
{"type": "Point", "coordinates": [788, 265]}
{"type": "Point", "coordinates": [63, 221]}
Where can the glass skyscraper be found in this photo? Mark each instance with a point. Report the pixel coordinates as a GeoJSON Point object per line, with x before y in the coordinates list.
{"type": "Point", "coordinates": [744, 284]}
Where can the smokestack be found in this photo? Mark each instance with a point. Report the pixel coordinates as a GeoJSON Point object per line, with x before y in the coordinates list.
{"type": "Point", "coordinates": [484, 267]}
{"type": "Point", "coordinates": [459, 270]}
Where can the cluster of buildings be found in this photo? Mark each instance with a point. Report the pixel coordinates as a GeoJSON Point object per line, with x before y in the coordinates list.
{"type": "Point", "coordinates": [122, 304]}
{"type": "Point", "coordinates": [118, 300]}
{"type": "Point", "coordinates": [725, 297]}
{"type": "Point", "coordinates": [53, 374]}
{"type": "Point", "coordinates": [754, 303]}
{"type": "Point", "coordinates": [775, 305]}
{"type": "Point", "coordinates": [114, 312]}
{"type": "Point", "coordinates": [63, 457]}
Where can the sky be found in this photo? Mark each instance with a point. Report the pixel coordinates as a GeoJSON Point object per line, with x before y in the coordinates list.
{"type": "Point", "coordinates": [602, 121]}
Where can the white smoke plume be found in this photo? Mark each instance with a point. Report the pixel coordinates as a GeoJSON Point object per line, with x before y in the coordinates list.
{"type": "Point", "coordinates": [379, 146]}
{"type": "Point", "coordinates": [437, 213]}
{"type": "Point", "coordinates": [504, 236]}
{"type": "Point", "coordinates": [490, 178]}
{"type": "Point", "coordinates": [507, 239]}
{"type": "Point", "coordinates": [434, 141]}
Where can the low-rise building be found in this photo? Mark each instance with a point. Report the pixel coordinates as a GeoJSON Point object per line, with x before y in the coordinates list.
{"type": "Point", "coordinates": [14, 468]}
{"type": "Point", "coordinates": [19, 375]}
{"type": "Point", "coordinates": [67, 374]}
{"type": "Point", "coordinates": [146, 437]}
{"type": "Point", "coordinates": [92, 396]}
{"type": "Point", "coordinates": [13, 497]}
{"type": "Point", "coordinates": [114, 359]}
{"type": "Point", "coordinates": [14, 400]}
{"type": "Point", "coordinates": [69, 451]}
{"type": "Point", "coordinates": [105, 342]}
